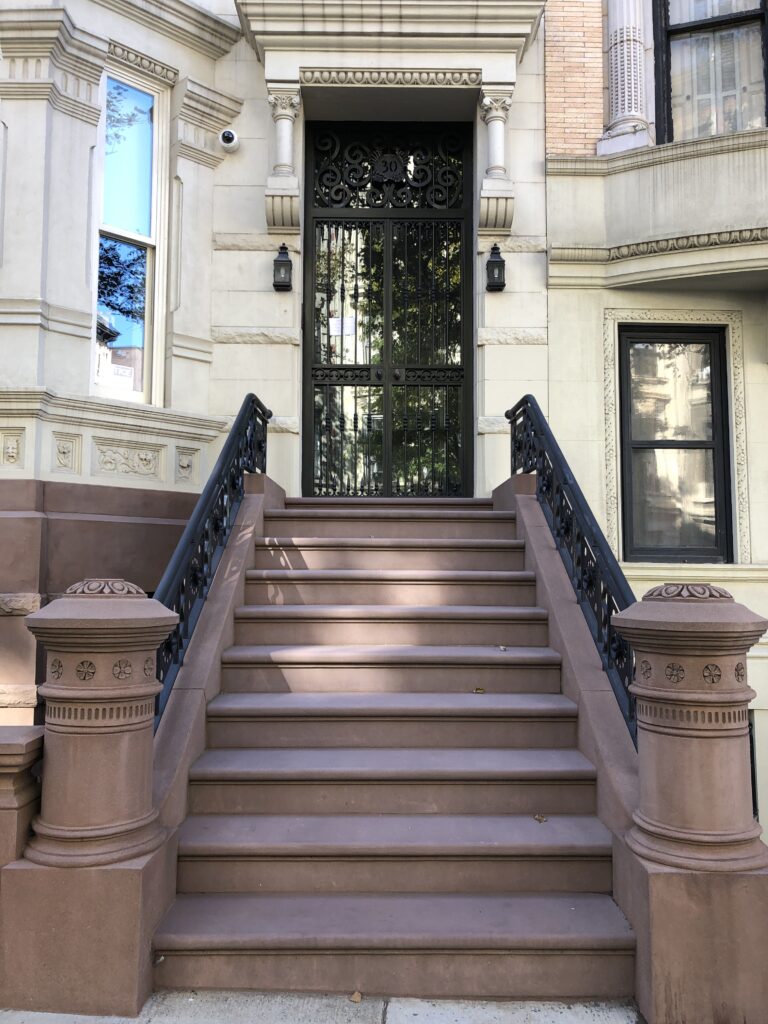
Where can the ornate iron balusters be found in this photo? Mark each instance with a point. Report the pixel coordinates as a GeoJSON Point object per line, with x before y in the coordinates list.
{"type": "Point", "coordinates": [600, 586]}
{"type": "Point", "coordinates": [189, 574]}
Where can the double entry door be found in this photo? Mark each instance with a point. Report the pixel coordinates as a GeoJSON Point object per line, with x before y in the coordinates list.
{"type": "Point", "coordinates": [387, 319]}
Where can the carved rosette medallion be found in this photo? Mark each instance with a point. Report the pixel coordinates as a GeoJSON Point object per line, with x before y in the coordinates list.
{"type": "Point", "coordinates": [741, 672]}
{"type": "Point", "coordinates": [57, 668]}
{"type": "Point", "coordinates": [687, 592]}
{"type": "Point", "coordinates": [149, 668]}
{"type": "Point", "coordinates": [675, 673]}
{"type": "Point", "coordinates": [645, 669]}
{"type": "Point", "coordinates": [122, 669]}
{"type": "Point", "coordinates": [104, 588]}
{"type": "Point", "coordinates": [85, 670]}
{"type": "Point", "coordinates": [712, 674]}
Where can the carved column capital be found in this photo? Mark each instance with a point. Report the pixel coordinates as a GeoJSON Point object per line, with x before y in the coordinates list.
{"type": "Point", "coordinates": [284, 103]}
{"type": "Point", "coordinates": [494, 106]}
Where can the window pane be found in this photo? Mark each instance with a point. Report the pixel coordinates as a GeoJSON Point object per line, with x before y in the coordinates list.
{"type": "Point", "coordinates": [128, 159]}
{"type": "Point", "coordinates": [671, 391]}
{"type": "Point", "coordinates": [718, 84]}
{"type": "Point", "coordinates": [673, 498]}
{"type": "Point", "coordinates": [681, 11]}
{"type": "Point", "coordinates": [121, 320]}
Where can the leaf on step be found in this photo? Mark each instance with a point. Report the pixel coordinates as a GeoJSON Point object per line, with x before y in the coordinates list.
{"type": "Point", "coordinates": [356, 997]}
{"type": "Point", "coordinates": [502, 648]}
{"type": "Point", "coordinates": [541, 818]}
{"type": "Point", "coordinates": [478, 689]}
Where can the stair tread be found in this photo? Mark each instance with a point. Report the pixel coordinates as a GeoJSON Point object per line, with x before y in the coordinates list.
{"type": "Point", "coordinates": [236, 921]}
{"type": "Point", "coordinates": [386, 704]}
{"type": "Point", "coordinates": [366, 654]}
{"type": "Point", "coordinates": [254, 835]}
{"type": "Point", "coordinates": [374, 502]}
{"type": "Point", "coordinates": [233, 764]}
{"type": "Point", "coordinates": [396, 512]}
{"type": "Point", "coordinates": [463, 543]}
{"type": "Point", "coordinates": [404, 612]}
{"type": "Point", "coordinates": [459, 576]}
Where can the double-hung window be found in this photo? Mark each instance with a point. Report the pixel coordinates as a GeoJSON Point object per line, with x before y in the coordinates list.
{"type": "Point", "coordinates": [675, 465]}
{"type": "Point", "coordinates": [711, 67]}
{"type": "Point", "coordinates": [128, 279]}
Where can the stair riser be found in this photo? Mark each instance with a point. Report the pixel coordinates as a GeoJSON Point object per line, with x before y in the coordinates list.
{"type": "Point", "coordinates": [365, 631]}
{"type": "Point", "coordinates": [266, 797]}
{"type": "Point", "coordinates": [442, 504]}
{"type": "Point", "coordinates": [390, 678]}
{"type": "Point", "coordinates": [509, 560]}
{"type": "Point", "coordinates": [425, 874]}
{"type": "Point", "coordinates": [462, 529]}
{"type": "Point", "coordinates": [280, 593]}
{"type": "Point", "coordinates": [521, 974]}
{"type": "Point", "coordinates": [374, 732]}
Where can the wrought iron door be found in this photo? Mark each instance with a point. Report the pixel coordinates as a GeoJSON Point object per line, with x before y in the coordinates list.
{"type": "Point", "coordinates": [387, 322]}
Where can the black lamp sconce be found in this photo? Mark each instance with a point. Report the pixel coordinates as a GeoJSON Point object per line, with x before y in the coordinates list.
{"type": "Point", "coordinates": [283, 280]}
{"type": "Point", "coordinates": [495, 268]}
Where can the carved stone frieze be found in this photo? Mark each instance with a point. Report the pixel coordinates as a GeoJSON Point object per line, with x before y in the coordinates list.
{"type": "Point", "coordinates": [687, 592]}
{"type": "Point", "coordinates": [104, 588]}
{"type": "Point", "coordinates": [128, 460]}
{"type": "Point", "coordinates": [19, 604]}
{"type": "Point", "coordinates": [11, 449]}
{"type": "Point", "coordinates": [732, 320]}
{"type": "Point", "coordinates": [422, 77]}
{"type": "Point", "coordinates": [138, 61]}
{"type": "Point", "coordinates": [685, 243]}
{"type": "Point", "coordinates": [67, 453]}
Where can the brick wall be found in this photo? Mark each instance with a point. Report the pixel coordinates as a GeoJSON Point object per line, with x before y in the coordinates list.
{"type": "Point", "coordinates": [574, 75]}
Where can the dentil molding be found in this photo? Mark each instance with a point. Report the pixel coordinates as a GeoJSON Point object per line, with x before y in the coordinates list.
{"type": "Point", "coordinates": [433, 78]}
{"type": "Point", "coordinates": [732, 320]}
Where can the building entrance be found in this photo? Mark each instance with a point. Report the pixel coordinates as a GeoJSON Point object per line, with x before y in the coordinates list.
{"type": "Point", "coordinates": [388, 311]}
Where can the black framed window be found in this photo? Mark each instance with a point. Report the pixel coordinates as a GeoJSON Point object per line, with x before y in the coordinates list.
{"type": "Point", "coordinates": [675, 464]}
{"type": "Point", "coordinates": [711, 67]}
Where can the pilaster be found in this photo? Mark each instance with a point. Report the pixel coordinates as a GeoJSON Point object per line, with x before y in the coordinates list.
{"type": "Point", "coordinates": [628, 126]}
{"type": "Point", "coordinates": [497, 195]}
{"type": "Point", "coordinates": [282, 196]}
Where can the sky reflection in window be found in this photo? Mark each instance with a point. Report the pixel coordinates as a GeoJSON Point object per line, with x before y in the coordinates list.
{"type": "Point", "coordinates": [128, 159]}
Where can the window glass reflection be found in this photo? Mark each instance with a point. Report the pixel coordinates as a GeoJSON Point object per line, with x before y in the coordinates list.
{"type": "Point", "coordinates": [673, 494]}
{"type": "Point", "coordinates": [671, 391]}
{"type": "Point", "coordinates": [128, 158]}
{"type": "Point", "coordinates": [121, 315]}
{"type": "Point", "coordinates": [681, 11]}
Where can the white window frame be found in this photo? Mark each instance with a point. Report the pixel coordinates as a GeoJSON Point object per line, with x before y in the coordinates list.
{"type": "Point", "coordinates": [153, 391]}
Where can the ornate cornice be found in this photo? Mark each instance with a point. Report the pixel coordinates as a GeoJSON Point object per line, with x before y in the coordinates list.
{"type": "Point", "coordinates": [423, 78]}
{"type": "Point", "coordinates": [46, 57]}
{"type": "Point", "coordinates": [137, 61]}
{"type": "Point", "coordinates": [684, 243]}
{"type": "Point", "coordinates": [199, 114]}
{"type": "Point", "coordinates": [184, 22]}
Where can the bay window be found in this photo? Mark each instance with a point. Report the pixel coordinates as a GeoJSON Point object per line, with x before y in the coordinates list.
{"type": "Point", "coordinates": [711, 67]}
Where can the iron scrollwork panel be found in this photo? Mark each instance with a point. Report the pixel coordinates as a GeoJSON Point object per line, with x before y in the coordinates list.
{"type": "Point", "coordinates": [427, 440]}
{"type": "Point", "coordinates": [349, 441]}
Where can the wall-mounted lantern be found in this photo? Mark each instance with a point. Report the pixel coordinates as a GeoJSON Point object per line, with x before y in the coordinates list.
{"type": "Point", "coordinates": [495, 269]}
{"type": "Point", "coordinates": [283, 270]}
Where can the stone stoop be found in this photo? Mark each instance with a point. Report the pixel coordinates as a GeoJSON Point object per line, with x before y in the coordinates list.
{"type": "Point", "coordinates": [392, 799]}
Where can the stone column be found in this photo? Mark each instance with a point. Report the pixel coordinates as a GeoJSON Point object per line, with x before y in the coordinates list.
{"type": "Point", "coordinates": [628, 123]}
{"type": "Point", "coordinates": [282, 194]}
{"type": "Point", "coordinates": [695, 812]}
{"type": "Point", "coordinates": [497, 197]}
{"type": "Point", "coordinates": [100, 689]}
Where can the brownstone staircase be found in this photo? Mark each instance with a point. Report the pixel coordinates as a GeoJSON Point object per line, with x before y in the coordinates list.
{"type": "Point", "coordinates": [392, 798]}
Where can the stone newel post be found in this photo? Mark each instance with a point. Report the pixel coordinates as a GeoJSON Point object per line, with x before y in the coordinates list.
{"type": "Point", "coordinates": [695, 810]}
{"type": "Point", "coordinates": [100, 689]}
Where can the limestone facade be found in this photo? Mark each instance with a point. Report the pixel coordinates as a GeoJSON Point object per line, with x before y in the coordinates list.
{"type": "Point", "coordinates": [598, 226]}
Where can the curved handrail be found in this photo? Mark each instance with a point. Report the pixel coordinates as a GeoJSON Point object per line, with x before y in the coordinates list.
{"type": "Point", "coordinates": [600, 585]}
{"type": "Point", "coordinates": [188, 576]}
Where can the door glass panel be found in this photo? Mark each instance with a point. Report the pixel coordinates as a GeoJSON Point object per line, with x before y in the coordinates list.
{"type": "Point", "coordinates": [673, 498]}
{"type": "Point", "coordinates": [128, 159]}
{"type": "Point", "coordinates": [349, 292]}
{"type": "Point", "coordinates": [671, 391]}
{"type": "Point", "coordinates": [426, 293]}
{"type": "Point", "coordinates": [349, 447]}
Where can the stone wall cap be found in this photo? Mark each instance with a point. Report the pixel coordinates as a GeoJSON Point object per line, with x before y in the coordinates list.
{"type": "Point", "coordinates": [20, 739]}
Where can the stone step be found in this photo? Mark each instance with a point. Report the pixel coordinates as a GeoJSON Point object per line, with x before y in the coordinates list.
{"type": "Point", "coordinates": [554, 946]}
{"type": "Point", "coordinates": [351, 780]}
{"type": "Point", "coordinates": [271, 720]}
{"type": "Point", "coordinates": [390, 668]}
{"type": "Point", "coordinates": [394, 521]}
{"type": "Point", "coordinates": [390, 624]}
{"type": "Point", "coordinates": [389, 553]}
{"type": "Point", "coordinates": [389, 586]}
{"type": "Point", "coordinates": [436, 504]}
{"type": "Point", "coordinates": [393, 853]}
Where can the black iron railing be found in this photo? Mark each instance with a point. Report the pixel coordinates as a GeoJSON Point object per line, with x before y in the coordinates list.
{"type": "Point", "coordinates": [600, 585]}
{"type": "Point", "coordinates": [189, 574]}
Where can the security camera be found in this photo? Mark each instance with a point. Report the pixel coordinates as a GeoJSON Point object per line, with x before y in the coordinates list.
{"type": "Point", "coordinates": [229, 141]}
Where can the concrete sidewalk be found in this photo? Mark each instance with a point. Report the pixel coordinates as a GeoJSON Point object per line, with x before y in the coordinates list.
{"type": "Point", "coordinates": [257, 1008]}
